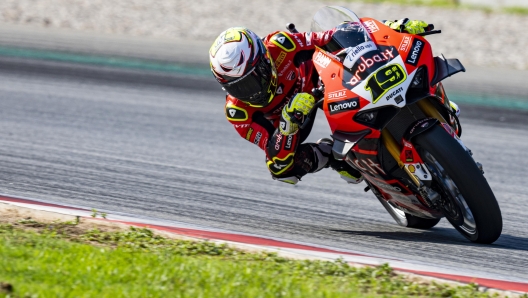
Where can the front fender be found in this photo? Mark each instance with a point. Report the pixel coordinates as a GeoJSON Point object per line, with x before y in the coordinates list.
{"type": "Point", "coordinates": [419, 127]}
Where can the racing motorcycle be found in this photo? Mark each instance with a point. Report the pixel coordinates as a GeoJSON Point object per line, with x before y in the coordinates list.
{"type": "Point", "coordinates": [382, 93]}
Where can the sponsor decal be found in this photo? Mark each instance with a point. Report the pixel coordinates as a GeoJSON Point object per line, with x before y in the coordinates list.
{"type": "Point", "coordinates": [308, 38]}
{"type": "Point", "coordinates": [281, 73]}
{"type": "Point", "coordinates": [419, 123]}
{"type": "Point", "coordinates": [404, 45]}
{"type": "Point", "coordinates": [322, 60]}
{"type": "Point", "coordinates": [337, 94]}
{"type": "Point", "coordinates": [234, 113]}
{"type": "Point", "coordinates": [369, 166]}
{"type": "Point", "coordinates": [249, 133]}
{"type": "Point", "coordinates": [283, 41]}
{"type": "Point", "coordinates": [291, 75]}
{"type": "Point", "coordinates": [354, 53]}
{"type": "Point", "coordinates": [371, 26]}
{"type": "Point", "coordinates": [371, 60]}
{"type": "Point", "coordinates": [415, 52]}
{"type": "Point", "coordinates": [343, 106]}
{"type": "Point", "coordinates": [375, 167]}
{"type": "Point", "coordinates": [257, 138]}
{"type": "Point", "coordinates": [241, 125]}
{"type": "Point", "coordinates": [425, 125]}
{"type": "Point", "coordinates": [409, 156]}
{"type": "Point", "coordinates": [278, 141]}
{"type": "Point", "coordinates": [280, 59]}
{"type": "Point", "coordinates": [289, 142]}
{"type": "Point", "coordinates": [280, 89]}
{"type": "Point", "coordinates": [394, 93]}
{"type": "Point", "coordinates": [385, 79]}
{"type": "Point", "coordinates": [299, 41]}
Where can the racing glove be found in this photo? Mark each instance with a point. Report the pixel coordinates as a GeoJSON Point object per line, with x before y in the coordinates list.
{"type": "Point", "coordinates": [412, 27]}
{"type": "Point", "coordinates": [294, 112]}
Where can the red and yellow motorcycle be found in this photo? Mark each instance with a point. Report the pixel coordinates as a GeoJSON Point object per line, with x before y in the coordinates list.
{"type": "Point", "coordinates": [382, 94]}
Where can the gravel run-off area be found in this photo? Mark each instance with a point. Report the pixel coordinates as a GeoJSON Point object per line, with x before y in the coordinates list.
{"type": "Point", "coordinates": [475, 37]}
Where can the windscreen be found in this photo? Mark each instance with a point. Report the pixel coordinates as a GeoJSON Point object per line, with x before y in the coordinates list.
{"type": "Point", "coordinates": [329, 17]}
{"type": "Point", "coordinates": [349, 34]}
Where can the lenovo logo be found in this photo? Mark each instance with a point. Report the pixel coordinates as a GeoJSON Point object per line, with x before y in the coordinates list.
{"type": "Point", "coordinates": [343, 106]}
{"type": "Point", "coordinates": [415, 52]}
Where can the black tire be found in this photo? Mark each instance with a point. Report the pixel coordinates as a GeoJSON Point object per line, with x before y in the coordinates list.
{"type": "Point", "coordinates": [479, 219]}
{"type": "Point", "coordinates": [420, 223]}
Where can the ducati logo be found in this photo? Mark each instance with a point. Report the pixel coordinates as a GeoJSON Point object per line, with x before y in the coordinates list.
{"type": "Point", "coordinates": [291, 75]}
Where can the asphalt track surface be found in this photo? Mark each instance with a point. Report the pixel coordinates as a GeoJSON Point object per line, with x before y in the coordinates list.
{"type": "Point", "coordinates": [159, 145]}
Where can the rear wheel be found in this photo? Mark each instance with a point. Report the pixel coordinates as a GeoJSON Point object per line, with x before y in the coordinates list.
{"type": "Point", "coordinates": [467, 200]}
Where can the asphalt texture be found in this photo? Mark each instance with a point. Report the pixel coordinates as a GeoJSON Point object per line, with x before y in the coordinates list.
{"type": "Point", "coordinates": [159, 145]}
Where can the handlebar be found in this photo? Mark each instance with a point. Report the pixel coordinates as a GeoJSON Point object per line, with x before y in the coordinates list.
{"type": "Point", "coordinates": [430, 32]}
{"type": "Point", "coordinates": [291, 28]}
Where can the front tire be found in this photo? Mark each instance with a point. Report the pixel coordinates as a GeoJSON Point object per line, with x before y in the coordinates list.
{"type": "Point", "coordinates": [467, 200]}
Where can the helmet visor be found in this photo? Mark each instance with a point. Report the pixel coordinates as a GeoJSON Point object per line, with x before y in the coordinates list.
{"type": "Point", "coordinates": [257, 87]}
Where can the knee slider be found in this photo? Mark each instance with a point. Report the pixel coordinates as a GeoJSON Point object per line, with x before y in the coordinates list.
{"type": "Point", "coordinates": [289, 180]}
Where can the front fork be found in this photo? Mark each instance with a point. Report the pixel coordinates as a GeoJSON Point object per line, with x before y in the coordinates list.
{"type": "Point", "coordinates": [432, 112]}
{"type": "Point", "coordinates": [395, 150]}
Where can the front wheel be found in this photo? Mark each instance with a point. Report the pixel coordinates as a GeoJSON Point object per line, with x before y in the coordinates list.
{"type": "Point", "coordinates": [468, 202]}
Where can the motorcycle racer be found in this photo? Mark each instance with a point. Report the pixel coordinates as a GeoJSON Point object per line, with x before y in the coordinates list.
{"type": "Point", "coordinates": [269, 83]}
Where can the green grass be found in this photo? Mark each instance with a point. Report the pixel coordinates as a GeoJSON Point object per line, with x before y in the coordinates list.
{"type": "Point", "coordinates": [516, 10]}
{"type": "Point", "coordinates": [58, 260]}
{"type": "Point", "coordinates": [449, 4]}
{"type": "Point", "coordinates": [440, 3]}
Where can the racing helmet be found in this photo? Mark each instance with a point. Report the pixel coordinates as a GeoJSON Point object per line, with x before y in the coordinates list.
{"type": "Point", "coordinates": [243, 66]}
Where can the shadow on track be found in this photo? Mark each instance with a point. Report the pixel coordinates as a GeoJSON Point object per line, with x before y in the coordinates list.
{"type": "Point", "coordinates": [442, 235]}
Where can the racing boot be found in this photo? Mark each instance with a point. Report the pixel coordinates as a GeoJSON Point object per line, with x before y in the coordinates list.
{"type": "Point", "coordinates": [347, 172]}
{"type": "Point", "coordinates": [455, 123]}
{"type": "Point", "coordinates": [455, 108]}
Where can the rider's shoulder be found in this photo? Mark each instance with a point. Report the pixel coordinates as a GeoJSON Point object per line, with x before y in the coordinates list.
{"type": "Point", "coordinates": [237, 111]}
{"type": "Point", "coordinates": [282, 39]}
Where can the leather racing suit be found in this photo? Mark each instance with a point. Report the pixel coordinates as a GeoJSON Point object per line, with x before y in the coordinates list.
{"type": "Point", "coordinates": [287, 158]}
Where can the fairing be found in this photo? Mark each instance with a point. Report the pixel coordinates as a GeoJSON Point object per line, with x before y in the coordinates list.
{"type": "Point", "coordinates": [370, 73]}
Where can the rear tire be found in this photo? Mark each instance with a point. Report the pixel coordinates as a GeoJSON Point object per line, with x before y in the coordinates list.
{"type": "Point", "coordinates": [469, 203]}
